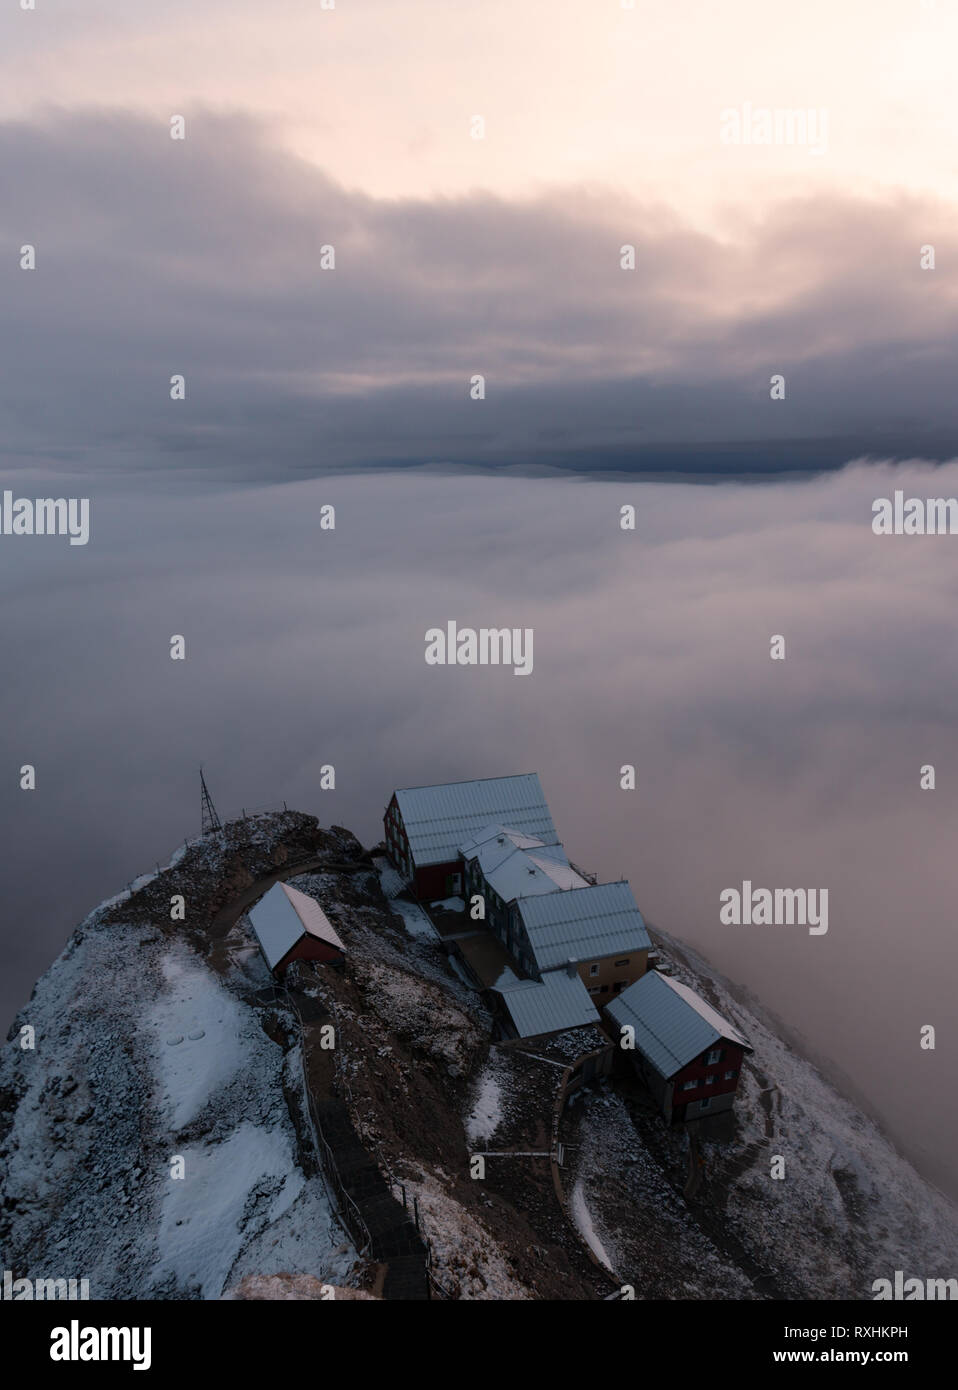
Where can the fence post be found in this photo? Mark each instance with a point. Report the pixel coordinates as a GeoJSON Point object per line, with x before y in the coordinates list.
{"type": "Point", "coordinates": [415, 1205]}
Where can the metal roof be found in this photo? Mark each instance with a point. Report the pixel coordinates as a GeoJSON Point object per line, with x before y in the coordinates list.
{"type": "Point", "coordinates": [560, 1001]}
{"type": "Point", "coordinates": [583, 924]}
{"type": "Point", "coordinates": [672, 1023]}
{"type": "Point", "coordinates": [493, 839]}
{"type": "Point", "coordinates": [496, 843]}
{"type": "Point", "coordinates": [282, 916]}
{"type": "Point", "coordinates": [439, 819]}
{"type": "Point", "coordinates": [312, 916]}
{"type": "Point", "coordinates": [528, 872]}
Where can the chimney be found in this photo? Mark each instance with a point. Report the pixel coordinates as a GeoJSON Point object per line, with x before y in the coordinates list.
{"type": "Point", "coordinates": [571, 968]}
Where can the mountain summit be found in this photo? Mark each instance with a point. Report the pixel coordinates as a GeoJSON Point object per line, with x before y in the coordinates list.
{"type": "Point", "coordinates": [177, 1123]}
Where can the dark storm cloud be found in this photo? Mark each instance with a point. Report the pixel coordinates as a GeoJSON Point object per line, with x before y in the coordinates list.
{"type": "Point", "coordinates": [202, 257]}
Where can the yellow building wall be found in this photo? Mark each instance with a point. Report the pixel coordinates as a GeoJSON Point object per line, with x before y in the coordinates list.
{"type": "Point", "coordinates": [611, 974]}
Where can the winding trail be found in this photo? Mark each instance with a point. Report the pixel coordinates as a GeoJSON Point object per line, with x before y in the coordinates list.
{"type": "Point", "coordinates": [230, 913]}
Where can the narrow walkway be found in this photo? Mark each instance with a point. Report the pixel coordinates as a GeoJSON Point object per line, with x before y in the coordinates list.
{"type": "Point", "coordinates": [392, 883]}
{"type": "Point", "coordinates": [380, 1227]}
{"type": "Point", "coordinates": [230, 913]}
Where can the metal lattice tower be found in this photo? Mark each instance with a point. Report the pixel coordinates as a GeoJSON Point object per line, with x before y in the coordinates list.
{"type": "Point", "coordinates": [211, 820]}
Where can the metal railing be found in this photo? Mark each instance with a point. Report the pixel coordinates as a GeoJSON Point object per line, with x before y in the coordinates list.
{"type": "Point", "coordinates": [354, 1222]}
{"type": "Point", "coordinates": [369, 1142]}
{"type": "Point", "coordinates": [394, 1183]}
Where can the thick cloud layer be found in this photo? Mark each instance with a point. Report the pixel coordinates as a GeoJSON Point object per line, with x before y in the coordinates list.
{"type": "Point", "coordinates": [306, 647]}
{"type": "Point", "coordinates": [202, 257]}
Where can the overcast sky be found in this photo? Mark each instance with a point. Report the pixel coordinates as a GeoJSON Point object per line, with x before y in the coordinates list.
{"type": "Point", "coordinates": [379, 94]}
{"type": "Point", "coordinates": [457, 256]}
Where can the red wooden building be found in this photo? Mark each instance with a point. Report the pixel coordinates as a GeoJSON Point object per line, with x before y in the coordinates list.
{"type": "Point", "coordinates": [689, 1055]}
{"type": "Point", "coordinates": [290, 925]}
{"type": "Point", "coordinates": [425, 826]}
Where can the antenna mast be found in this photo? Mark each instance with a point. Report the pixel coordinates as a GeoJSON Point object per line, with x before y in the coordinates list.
{"type": "Point", "coordinates": [211, 820]}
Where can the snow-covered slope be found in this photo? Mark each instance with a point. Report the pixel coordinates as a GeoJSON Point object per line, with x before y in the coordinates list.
{"type": "Point", "coordinates": [846, 1210]}
{"type": "Point", "coordinates": [154, 1139]}
{"type": "Point", "coordinates": [151, 1061]}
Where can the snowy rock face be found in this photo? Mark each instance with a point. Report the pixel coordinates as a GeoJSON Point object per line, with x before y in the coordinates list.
{"type": "Point", "coordinates": [292, 1288]}
{"type": "Point", "coordinates": [803, 1196]}
{"type": "Point", "coordinates": [146, 1143]}
{"type": "Point", "coordinates": [154, 1139]}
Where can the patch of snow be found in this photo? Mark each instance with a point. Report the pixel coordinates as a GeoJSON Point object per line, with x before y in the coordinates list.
{"type": "Point", "coordinates": [486, 1114]}
{"type": "Point", "coordinates": [196, 1006]}
{"type": "Point", "coordinates": [507, 979]}
{"type": "Point", "coordinates": [415, 920]}
{"type": "Point", "coordinates": [304, 1238]}
{"type": "Point", "coordinates": [205, 1214]}
{"type": "Point", "coordinates": [451, 904]}
{"type": "Point", "coordinates": [114, 901]}
{"type": "Point", "coordinates": [460, 973]}
{"type": "Point", "coordinates": [585, 1226]}
{"type": "Point", "coordinates": [389, 880]}
{"type": "Point", "coordinates": [466, 1260]}
{"type": "Point", "coordinates": [85, 1164]}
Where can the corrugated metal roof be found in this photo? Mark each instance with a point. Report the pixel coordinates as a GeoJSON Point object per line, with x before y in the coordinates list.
{"type": "Point", "coordinates": [583, 924]}
{"type": "Point", "coordinates": [282, 916]}
{"type": "Point", "coordinates": [276, 923]}
{"type": "Point", "coordinates": [496, 843]}
{"type": "Point", "coordinates": [528, 872]}
{"type": "Point", "coordinates": [485, 840]}
{"type": "Point", "coordinates": [672, 1023]}
{"type": "Point", "coordinates": [312, 916]}
{"type": "Point", "coordinates": [560, 1001]}
{"type": "Point", "coordinates": [439, 819]}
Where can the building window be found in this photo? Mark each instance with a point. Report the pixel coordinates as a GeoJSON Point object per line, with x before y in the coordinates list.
{"type": "Point", "coordinates": [593, 969]}
{"type": "Point", "coordinates": [705, 1102]}
{"type": "Point", "coordinates": [689, 1085]}
{"type": "Point", "coordinates": [709, 1080]}
{"type": "Point", "coordinates": [594, 989]}
{"type": "Point", "coordinates": [622, 962]}
{"type": "Point", "coordinates": [604, 989]}
{"type": "Point", "coordinates": [731, 1075]}
{"type": "Point", "coordinates": [714, 1056]}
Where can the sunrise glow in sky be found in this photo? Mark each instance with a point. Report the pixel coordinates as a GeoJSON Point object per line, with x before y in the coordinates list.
{"type": "Point", "coordinates": [379, 93]}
